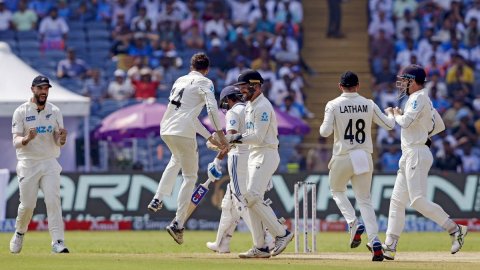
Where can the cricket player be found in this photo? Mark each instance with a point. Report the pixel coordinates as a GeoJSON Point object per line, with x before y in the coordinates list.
{"type": "Point", "coordinates": [178, 130]}
{"type": "Point", "coordinates": [419, 122]}
{"type": "Point", "coordinates": [350, 118]}
{"type": "Point", "coordinates": [232, 204]}
{"type": "Point", "coordinates": [38, 134]}
{"type": "Point", "coordinates": [263, 160]}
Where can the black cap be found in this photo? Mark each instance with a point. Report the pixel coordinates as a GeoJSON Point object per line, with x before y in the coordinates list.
{"type": "Point", "coordinates": [414, 72]}
{"type": "Point", "coordinates": [41, 80]}
{"type": "Point", "coordinates": [249, 76]}
{"type": "Point", "coordinates": [349, 79]}
{"type": "Point", "coordinates": [229, 90]}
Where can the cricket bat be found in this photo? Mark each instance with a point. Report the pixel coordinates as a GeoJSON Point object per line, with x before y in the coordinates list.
{"type": "Point", "coordinates": [197, 197]}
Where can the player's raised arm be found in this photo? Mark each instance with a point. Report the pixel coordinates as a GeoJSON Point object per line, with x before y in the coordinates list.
{"type": "Point", "coordinates": [207, 91]}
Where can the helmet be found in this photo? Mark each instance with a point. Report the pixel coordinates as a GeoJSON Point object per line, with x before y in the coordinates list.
{"type": "Point", "coordinates": [249, 76]}
{"type": "Point", "coordinates": [231, 92]}
{"type": "Point", "coordinates": [409, 74]}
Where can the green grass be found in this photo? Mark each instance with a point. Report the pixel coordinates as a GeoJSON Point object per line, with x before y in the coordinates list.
{"type": "Point", "coordinates": [156, 250]}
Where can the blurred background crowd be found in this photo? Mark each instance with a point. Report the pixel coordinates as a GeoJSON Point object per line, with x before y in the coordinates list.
{"type": "Point", "coordinates": [442, 36]}
{"type": "Point", "coordinates": [123, 52]}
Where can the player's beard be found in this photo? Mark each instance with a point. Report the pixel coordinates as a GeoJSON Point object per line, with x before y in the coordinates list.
{"type": "Point", "coordinates": [40, 100]}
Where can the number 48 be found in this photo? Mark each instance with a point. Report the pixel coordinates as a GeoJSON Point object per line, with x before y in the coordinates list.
{"type": "Point", "coordinates": [359, 135]}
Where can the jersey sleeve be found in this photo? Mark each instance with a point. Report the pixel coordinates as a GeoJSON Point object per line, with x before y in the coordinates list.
{"type": "Point", "coordinates": [206, 89]}
{"type": "Point", "coordinates": [17, 122]}
{"type": "Point", "coordinates": [412, 110]}
{"type": "Point", "coordinates": [232, 121]}
{"type": "Point", "coordinates": [387, 122]}
{"type": "Point", "coordinates": [201, 129]}
{"type": "Point", "coordinates": [326, 129]}
{"type": "Point", "coordinates": [261, 123]}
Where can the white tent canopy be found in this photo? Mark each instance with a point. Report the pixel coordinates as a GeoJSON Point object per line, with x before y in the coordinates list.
{"type": "Point", "coordinates": [15, 81]}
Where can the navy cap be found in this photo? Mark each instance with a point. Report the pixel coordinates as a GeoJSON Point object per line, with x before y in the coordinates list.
{"type": "Point", "coordinates": [249, 76]}
{"type": "Point", "coordinates": [414, 72]}
{"type": "Point", "coordinates": [349, 79]}
{"type": "Point", "coordinates": [41, 80]}
{"type": "Point", "coordinates": [229, 90]}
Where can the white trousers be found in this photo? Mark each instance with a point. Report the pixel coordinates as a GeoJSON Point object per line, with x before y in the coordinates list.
{"type": "Point", "coordinates": [341, 172]}
{"type": "Point", "coordinates": [411, 188]}
{"type": "Point", "coordinates": [44, 175]}
{"type": "Point", "coordinates": [233, 207]}
{"type": "Point", "coordinates": [262, 163]}
{"type": "Point", "coordinates": [184, 157]}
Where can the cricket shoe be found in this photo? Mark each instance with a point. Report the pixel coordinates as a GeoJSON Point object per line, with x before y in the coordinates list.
{"type": "Point", "coordinates": [356, 231]}
{"type": "Point", "coordinates": [16, 243]}
{"type": "Point", "coordinates": [59, 247]}
{"type": "Point", "coordinates": [389, 252]}
{"type": "Point", "coordinates": [458, 238]}
{"type": "Point", "coordinates": [281, 243]}
{"type": "Point", "coordinates": [377, 250]}
{"type": "Point", "coordinates": [269, 240]}
{"type": "Point", "coordinates": [175, 232]}
{"type": "Point", "coordinates": [155, 205]}
{"type": "Point", "coordinates": [220, 249]}
{"type": "Point", "coordinates": [255, 253]}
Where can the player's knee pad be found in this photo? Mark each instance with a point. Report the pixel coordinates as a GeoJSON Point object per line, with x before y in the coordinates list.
{"type": "Point", "coordinates": [227, 199]}
{"type": "Point", "coordinates": [252, 198]}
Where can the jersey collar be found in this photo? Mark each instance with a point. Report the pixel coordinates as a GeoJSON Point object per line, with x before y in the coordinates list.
{"type": "Point", "coordinates": [259, 97]}
{"type": "Point", "coordinates": [350, 94]}
{"type": "Point", "coordinates": [195, 72]}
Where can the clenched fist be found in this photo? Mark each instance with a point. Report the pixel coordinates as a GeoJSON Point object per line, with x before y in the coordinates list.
{"type": "Point", "coordinates": [32, 133]}
{"type": "Point", "coordinates": [62, 135]}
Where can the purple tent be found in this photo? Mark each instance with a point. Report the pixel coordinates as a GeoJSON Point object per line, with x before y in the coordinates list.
{"type": "Point", "coordinates": [287, 124]}
{"type": "Point", "coordinates": [136, 121]}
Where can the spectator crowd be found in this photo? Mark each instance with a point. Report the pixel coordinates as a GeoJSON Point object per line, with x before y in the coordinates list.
{"type": "Point", "coordinates": [119, 52]}
{"type": "Point", "coordinates": [442, 36]}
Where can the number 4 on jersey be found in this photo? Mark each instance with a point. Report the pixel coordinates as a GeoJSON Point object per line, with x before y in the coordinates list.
{"type": "Point", "coordinates": [176, 100]}
{"type": "Point", "coordinates": [359, 134]}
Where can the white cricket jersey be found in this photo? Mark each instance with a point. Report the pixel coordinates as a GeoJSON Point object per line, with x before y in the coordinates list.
{"type": "Point", "coordinates": [350, 118]}
{"type": "Point", "coordinates": [261, 124]}
{"type": "Point", "coordinates": [46, 121]}
{"type": "Point", "coordinates": [417, 120]}
{"type": "Point", "coordinates": [235, 120]}
{"type": "Point", "coordinates": [187, 98]}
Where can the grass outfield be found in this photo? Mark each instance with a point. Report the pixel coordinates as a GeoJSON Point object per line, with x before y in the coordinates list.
{"type": "Point", "coordinates": [156, 250]}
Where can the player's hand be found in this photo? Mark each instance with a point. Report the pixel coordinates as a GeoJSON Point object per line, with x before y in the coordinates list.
{"type": "Point", "coordinates": [397, 111]}
{"type": "Point", "coordinates": [32, 133]}
{"type": "Point", "coordinates": [214, 171]}
{"type": "Point", "coordinates": [389, 110]}
{"type": "Point", "coordinates": [212, 146]}
{"type": "Point", "coordinates": [213, 139]}
{"type": "Point", "coordinates": [234, 138]}
{"type": "Point", "coordinates": [62, 133]}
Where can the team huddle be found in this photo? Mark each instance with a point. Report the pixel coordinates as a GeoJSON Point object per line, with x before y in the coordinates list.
{"type": "Point", "coordinates": [251, 146]}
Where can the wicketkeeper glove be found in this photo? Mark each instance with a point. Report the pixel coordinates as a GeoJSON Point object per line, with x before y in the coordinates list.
{"type": "Point", "coordinates": [214, 170]}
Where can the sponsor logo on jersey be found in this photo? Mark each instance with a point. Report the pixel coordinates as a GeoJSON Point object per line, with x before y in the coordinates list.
{"type": "Point", "coordinates": [264, 117]}
{"type": "Point", "coordinates": [232, 122]}
{"type": "Point", "coordinates": [48, 116]}
{"type": "Point", "coordinates": [44, 129]}
{"type": "Point", "coordinates": [414, 104]}
{"type": "Point", "coordinates": [249, 125]}
{"type": "Point", "coordinates": [30, 118]}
